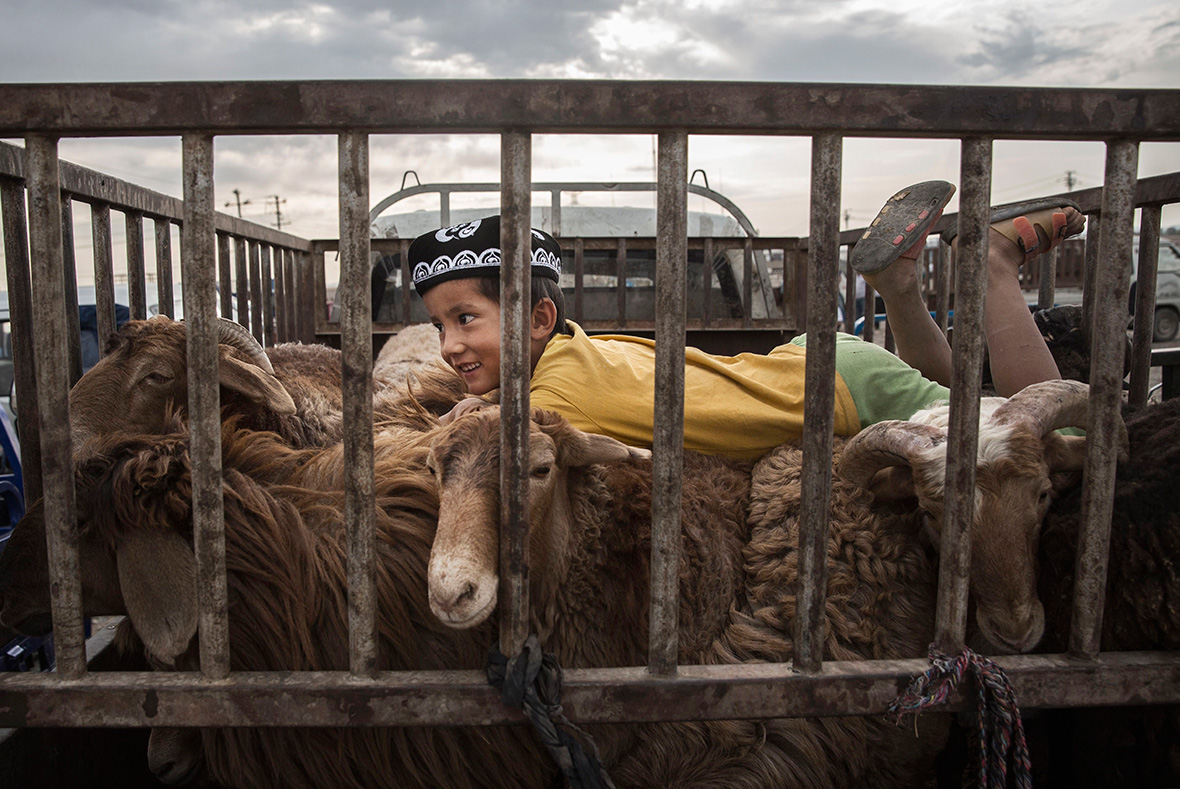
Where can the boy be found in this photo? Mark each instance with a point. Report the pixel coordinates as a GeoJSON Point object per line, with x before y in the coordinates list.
{"type": "Point", "coordinates": [745, 405]}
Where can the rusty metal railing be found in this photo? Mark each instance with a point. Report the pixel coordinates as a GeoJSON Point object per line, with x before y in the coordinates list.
{"type": "Point", "coordinates": [663, 690]}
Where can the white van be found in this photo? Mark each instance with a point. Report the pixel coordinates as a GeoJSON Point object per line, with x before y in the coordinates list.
{"type": "Point", "coordinates": [1167, 291]}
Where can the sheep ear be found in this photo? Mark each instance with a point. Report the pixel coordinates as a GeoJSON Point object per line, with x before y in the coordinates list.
{"type": "Point", "coordinates": [586, 449]}
{"type": "Point", "coordinates": [1064, 453]}
{"type": "Point", "coordinates": [893, 484]}
{"type": "Point", "coordinates": [158, 576]}
{"type": "Point", "coordinates": [254, 383]}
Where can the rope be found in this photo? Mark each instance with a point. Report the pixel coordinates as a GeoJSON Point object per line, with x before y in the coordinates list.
{"type": "Point", "coordinates": [1001, 732]}
{"type": "Point", "coordinates": [532, 680]}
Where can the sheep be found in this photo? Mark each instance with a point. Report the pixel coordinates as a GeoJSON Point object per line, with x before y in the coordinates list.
{"type": "Point", "coordinates": [896, 460]}
{"type": "Point", "coordinates": [287, 590]}
{"type": "Point", "coordinates": [291, 388]}
{"type": "Point", "coordinates": [1134, 746]}
{"type": "Point", "coordinates": [411, 349]}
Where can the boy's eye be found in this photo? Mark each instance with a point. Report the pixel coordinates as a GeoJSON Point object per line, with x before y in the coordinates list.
{"type": "Point", "coordinates": [466, 318]}
{"type": "Point", "coordinates": [438, 327]}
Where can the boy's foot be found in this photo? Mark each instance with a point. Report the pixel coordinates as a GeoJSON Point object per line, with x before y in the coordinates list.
{"type": "Point", "coordinates": [1033, 226]}
{"type": "Point", "coordinates": [901, 226]}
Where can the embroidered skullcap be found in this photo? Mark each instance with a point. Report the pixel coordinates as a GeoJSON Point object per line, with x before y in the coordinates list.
{"type": "Point", "coordinates": [472, 249]}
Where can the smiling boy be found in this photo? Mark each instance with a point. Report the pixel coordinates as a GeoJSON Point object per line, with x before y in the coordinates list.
{"type": "Point", "coordinates": [740, 406]}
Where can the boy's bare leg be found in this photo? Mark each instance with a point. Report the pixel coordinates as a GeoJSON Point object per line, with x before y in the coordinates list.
{"type": "Point", "coordinates": [920, 342]}
{"type": "Point", "coordinates": [1017, 350]}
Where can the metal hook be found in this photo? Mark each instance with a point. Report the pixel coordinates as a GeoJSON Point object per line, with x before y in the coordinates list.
{"type": "Point", "coordinates": [703, 175]}
{"type": "Point", "coordinates": [408, 173]}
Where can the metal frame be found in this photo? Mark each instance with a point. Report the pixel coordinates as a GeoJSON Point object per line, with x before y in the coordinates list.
{"type": "Point", "coordinates": [517, 110]}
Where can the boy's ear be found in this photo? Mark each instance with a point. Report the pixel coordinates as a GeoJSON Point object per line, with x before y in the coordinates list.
{"type": "Point", "coordinates": [544, 319]}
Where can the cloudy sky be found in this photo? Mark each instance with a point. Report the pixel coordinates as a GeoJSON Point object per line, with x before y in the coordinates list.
{"type": "Point", "coordinates": [1086, 43]}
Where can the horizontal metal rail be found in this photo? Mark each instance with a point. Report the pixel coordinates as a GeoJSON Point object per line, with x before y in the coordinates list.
{"type": "Point", "coordinates": [586, 106]}
{"type": "Point", "coordinates": [615, 695]}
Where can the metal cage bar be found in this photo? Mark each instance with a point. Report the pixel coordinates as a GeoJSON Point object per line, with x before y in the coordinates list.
{"type": "Point", "coordinates": [356, 309]}
{"type": "Point", "coordinates": [51, 349]}
{"type": "Point", "coordinates": [668, 427]}
{"type": "Point", "coordinates": [198, 262]}
{"type": "Point", "coordinates": [1145, 282]}
{"type": "Point", "coordinates": [1107, 346]}
{"type": "Point", "coordinates": [516, 152]}
{"type": "Point", "coordinates": [819, 399]}
{"type": "Point", "coordinates": [966, 368]}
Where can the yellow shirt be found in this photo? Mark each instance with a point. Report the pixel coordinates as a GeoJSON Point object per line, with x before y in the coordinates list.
{"type": "Point", "coordinates": [741, 406]}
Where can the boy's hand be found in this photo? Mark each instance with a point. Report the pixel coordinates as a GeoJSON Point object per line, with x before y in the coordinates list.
{"type": "Point", "coordinates": [464, 406]}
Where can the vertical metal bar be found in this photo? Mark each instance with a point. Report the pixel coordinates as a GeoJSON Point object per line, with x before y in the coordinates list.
{"type": "Point", "coordinates": [198, 257]}
{"type": "Point", "coordinates": [579, 279]}
{"type": "Point", "coordinates": [1046, 289]}
{"type": "Point", "coordinates": [407, 281]}
{"type": "Point", "coordinates": [707, 283]}
{"type": "Point", "coordinates": [52, 355]}
{"type": "Point", "coordinates": [868, 332]}
{"type": "Point", "coordinates": [241, 272]}
{"type": "Point", "coordinates": [224, 278]}
{"type": "Point", "coordinates": [966, 369]}
{"type": "Point", "coordinates": [668, 436]}
{"type": "Point", "coordinates": [942, 284]}
{"type": "Point", "coordinates": [164, 296]}
{"type": "Point", "coordinates": [444, 209]}
{"type": "Point", "coordinates": [748, 283]}
{"type": "Point", "coordinates": [1148, 269]}
{"type": "Point", "coordinates": [308, 296]}
{"type": "Point", "coordinates": [268, 299]}
{"type": "Point", "coordinates": [278, 311]}
{"type": "Point", "coordinates": [1107, 347]}
{"type": "Point", "coordinates": [20, 314]}
{"type": "Point", "coordinates": [621, 280]}
{"type": "Point", "coordinates": [819, 400]}
{"type": "Point", "coordinates": [104, 275]}
{"type": "Point", "coordinates": [555, 210]}
{"type": "Point", "coordinates": [849, 295]}
{"type": "Point", "coordinates": [136, 278]}
{"type": "Point", "coordinates": [256, 291]}
{"type": "Point", "coordinates": [70, 282]}
{"type": "Point", "coordinates": [354, 294]}
{"type": "Point", "coordinates": [292, 312]}
{"type": "Point", "coordinates": [1089, 270]}
{"type": "Point", "coordinates": [516, 153]}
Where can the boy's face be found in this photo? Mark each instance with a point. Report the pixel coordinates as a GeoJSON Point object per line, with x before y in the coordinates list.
{"type": "Point", "coordinates": [468, 324]}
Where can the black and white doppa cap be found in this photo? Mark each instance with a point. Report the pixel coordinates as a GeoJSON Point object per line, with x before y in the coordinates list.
{"type": "Point", "coordinates": [472, 249]}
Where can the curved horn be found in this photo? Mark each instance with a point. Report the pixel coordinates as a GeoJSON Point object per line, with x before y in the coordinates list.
{"type": "Point", "coordinates": [236, 335]}
{"type": "Point", "coordinates": [1046, 406]}
{"type": "Point", "coordinates": [890, 443]}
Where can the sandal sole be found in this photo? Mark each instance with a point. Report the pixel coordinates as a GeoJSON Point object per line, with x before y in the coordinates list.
{"type": "Point", "coordinates": [905, 217]}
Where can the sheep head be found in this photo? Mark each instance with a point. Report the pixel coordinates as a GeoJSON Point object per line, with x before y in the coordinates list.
{"type": "Point", "coordinates": [134, 520]}
{"type": "Point", "coordinates": [1018, 453]}
{"type": "Point", "coordinates": [145, 369]}
{"type": "Point", "coordinates": [465, 461]}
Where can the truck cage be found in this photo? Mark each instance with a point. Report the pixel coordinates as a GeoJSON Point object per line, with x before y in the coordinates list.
{"type": "Point", "coordinates": [40, 282]}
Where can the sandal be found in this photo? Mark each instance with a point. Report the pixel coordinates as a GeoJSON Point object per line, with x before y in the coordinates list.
{"type": "Point", "coordinates": [900, 226]}
{"type": "Point", "coordinates": [1020, 222]}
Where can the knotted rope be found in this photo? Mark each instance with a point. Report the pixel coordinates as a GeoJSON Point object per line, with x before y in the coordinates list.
{"type": "Point", "coordinates": [1001, 732]}
{"type": "Point", "coordinates": [532, 680]}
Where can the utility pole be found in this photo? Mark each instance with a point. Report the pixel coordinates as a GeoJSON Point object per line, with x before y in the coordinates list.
{"type": "Point", "coordinates": [1069, 179]}
{"type": "Point", "coordinates": [278, 211]}
{"type": "Point", "coordinates": [238, 201]}
{"type": "Point", "coordinates": [847, 218]}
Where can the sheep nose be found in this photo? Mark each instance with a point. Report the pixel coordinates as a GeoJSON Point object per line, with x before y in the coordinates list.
{"type": "Point", "coordinates": [451, 602]}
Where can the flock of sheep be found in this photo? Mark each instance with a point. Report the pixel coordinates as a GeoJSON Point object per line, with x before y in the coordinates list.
{"type": "Point", "coordinates": [437, 492]}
